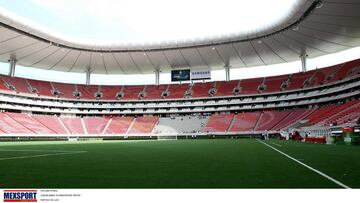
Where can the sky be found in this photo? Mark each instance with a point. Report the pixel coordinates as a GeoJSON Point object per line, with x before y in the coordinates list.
{"type": "Point", "coordinates": [132, 21]}
{"type": "Point", "coordinates": [136, 21]}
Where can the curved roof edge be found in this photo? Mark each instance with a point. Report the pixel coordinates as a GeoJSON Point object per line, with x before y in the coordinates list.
{"type": "Point", "coordinates": [19, 24]}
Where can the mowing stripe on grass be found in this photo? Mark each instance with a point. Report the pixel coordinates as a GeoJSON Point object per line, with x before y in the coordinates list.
{"type": "Point", "coordinates": [307, 166]}
{"type": "Point", "coordinates": [40, 155]}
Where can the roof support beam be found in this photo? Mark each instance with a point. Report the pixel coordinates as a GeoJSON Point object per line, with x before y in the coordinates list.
{"type": "Point", "coordinates": [88, 75]}
{"type": "Point", "coordinates": [157, 76]}
{"type": "Point", "coordinates": [303, 58]}
{"type": "Point", "coordinates": [227, 72]}
{"type": "Point", "coordinates": [12, 68]}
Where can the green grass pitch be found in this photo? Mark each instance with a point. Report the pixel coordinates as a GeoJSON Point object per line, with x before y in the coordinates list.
{"type": "Point", "coordinates": [213, 163]}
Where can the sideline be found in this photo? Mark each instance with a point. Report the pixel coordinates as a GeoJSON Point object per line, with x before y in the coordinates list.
{"type": "Point", "coordinates": [307, 166]}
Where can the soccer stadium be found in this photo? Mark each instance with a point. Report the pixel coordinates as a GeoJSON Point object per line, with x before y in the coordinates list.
{"type": "Point", "coordinates": [241, 108]}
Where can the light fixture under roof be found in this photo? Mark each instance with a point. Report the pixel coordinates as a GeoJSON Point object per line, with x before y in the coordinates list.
{"type": "Point", "coordinates": [320, 4]}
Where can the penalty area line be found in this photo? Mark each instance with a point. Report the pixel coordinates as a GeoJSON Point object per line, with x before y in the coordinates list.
{"type": "Point", "coordinates": [307, 166]}
{"type": "Point", "coordinates": [41, 155]}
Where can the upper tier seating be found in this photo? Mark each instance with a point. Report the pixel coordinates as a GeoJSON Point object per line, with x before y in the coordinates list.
{"type": "Point", "coordinates": [201, 89]}
{"type": "Point", "coordinates": [30, 123]}
{"type": "Point", "coordinates": [20, 84]}
{"type": "Point", "coordinates": [225, 88]}
{"type": "Point", "coordinates": [245, 122]}
{"type": "Point", "coordinates": [175, 91]}
{"type": "Point", "coordinates": [119, 125]}
{"type": "Point", "coordinates": [324, 75]}
{"type": "Point", "coordinates": [219, 123]}
{"type": "Point", "coordinates": [298, 79]}
{"type": "Point", "coordinates": [346, 70]}
{"type": "Point", "coordinates": [143, 125]}
{"type": "Point", "coordinates": [65, 90]}
{"type": "Point", "coordinates": [155, 91]}
{"type": "Point", "coordinates": [109, 92]}
{"type": "Point", "coordinates": [3, 87]}
{"type": "Point", "coordinates": [250, 86]}
{"type": "Point", "coordinates": [132, 92]}
{"type": "Point", "coordinates": [88, 92]}
{"type": "Point", "coordinates": [273, 84]}
{"type": "Point", "coordinates": [43, 88]}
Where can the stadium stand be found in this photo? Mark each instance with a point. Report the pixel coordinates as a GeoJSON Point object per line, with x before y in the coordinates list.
{"type": "Point", "coordinates": [181, 124]}
{"type": "Point", "coordinates": [297, 80]}
{"type": "Point", "coordinates": [155, 91]}
{"type": "Point", "coordinates": [119, 125]}
{"type": "Point", "coordinates": [202, 89]}
{"type": "Point", "coordinates": [42, 88]}
{"type": "Point", "coordinates": [143, 125]}
{"type": "Point", "coordinates": [74, 125]}
{"type": "Point", "coordinates": [95, 125]}
{"type": "Point", "coordinates": [132, 92]}
{"type": "Point", "coordinates": [324, 75]}
{"type": "Point", "coordinates": [346, 70]}
{"type": "Point", "coordinates": [20, 84]}
{"type": "Point", "coordinates": [293, 117]}
{"type": "Point", "coordinates": [177, 91]}
{"type": "Point", "coordinates": [273, 84]}
{"type": "Point", "coordinates": [219, 123]}
{"type": "Point", "coordinates": [10, 126]}
{"type": "Point", "coordinates": [51, 122]}
{"type": "Point", "coordinates": [270, 119]}
{"type": "Point", "coordinates": [88, 92]}
{"type": "Point", "coordinates": [64, 90]}
{"type": "Point", "coordinates": [109, 92]}
{"type": "Point", "coordinates": [250, 86]}
{"type": "Point", "coordinates": [30, 123]}
{"type": "Point", "coordinates": [226, 88]}
{"type": "Point", "coordinates": [245, 122]}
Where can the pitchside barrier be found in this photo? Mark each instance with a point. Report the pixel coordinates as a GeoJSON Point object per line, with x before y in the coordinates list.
{"type": "Point", "coordinates": [329, 133]}
{"type": "Point", "coordinates": [167, 136]}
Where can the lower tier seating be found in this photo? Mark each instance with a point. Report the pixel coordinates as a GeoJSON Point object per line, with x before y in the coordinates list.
{"type": "Point", "coordinates": [143, 125]}
{"type": "Point", "coordinates": [270, 120]}
{"type": "Point", "coordinates": [219, 123]}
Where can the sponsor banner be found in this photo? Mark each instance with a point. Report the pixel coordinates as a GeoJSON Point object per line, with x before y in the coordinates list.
{"type": "Point", "coordinates": [180, 75]}
{"type": "Point", "coordinates": [204, 74]}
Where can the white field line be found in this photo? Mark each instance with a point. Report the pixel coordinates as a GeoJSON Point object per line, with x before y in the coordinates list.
{"type": "Point", "coordinates": [37, 150]}
{"type": "Point", "coordinates": [279, 145]}
{"type": "Point", "coordinates": [309, 167]}
{"type": "Point", "coordinates": [41, 155]}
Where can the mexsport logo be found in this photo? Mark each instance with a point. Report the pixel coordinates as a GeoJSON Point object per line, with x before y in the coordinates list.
{"type": "Point", "coordinates": [20, 195]}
